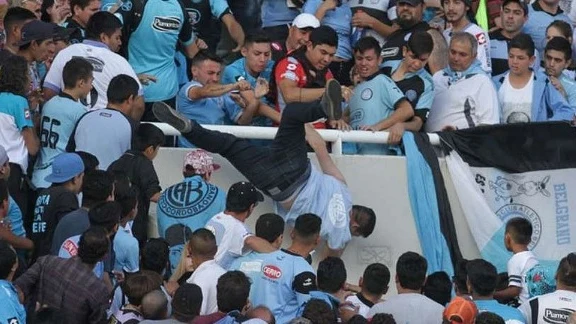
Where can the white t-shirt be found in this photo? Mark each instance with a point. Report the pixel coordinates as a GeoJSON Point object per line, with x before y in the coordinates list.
{"type": "Point", "coordinates": [230, 236]}
{"type": "Point", "coordinates": [361, 302]}
{"type": "Point", "coordinates": [206, 277]}
{"type": "Point", "coordinates": [106, 63]}
{"type": "Point", "coordinates": [515, 104]}
{"type": "Point", "coordinates": [481, 36]}
{"type": "Point", "coordinates": [410, 308]}
{"type": "Point", "coordinates": [465, 103]}
{"type": "Point", "coordinates": [554, 307]}
{"type": "Point", "coordinates": [518, 266]}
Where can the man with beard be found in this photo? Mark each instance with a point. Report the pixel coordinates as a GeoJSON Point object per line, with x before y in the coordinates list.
{"type": "Point", "coordinates": [298, 35]}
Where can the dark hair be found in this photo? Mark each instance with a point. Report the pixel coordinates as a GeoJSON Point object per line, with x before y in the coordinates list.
{"type": "Point", "coordinates": [560, 44]}
{"type": "Point", "coordinates": [126, 196]}
{"type": "Point", "coordinates": [566, 273]}
{"type": "Point", "coordinates": [256, 37]}
{"type": "Point", "coordinates": [232, 291]}
{"type": "Point", "coordinates": [78, 68]}
{"type": "Point", "coordinates": [148, 135]}
{"type": "Point", "coordinates": [46, 315]}
{"type": "Point", "coordinates": [563, 27]}
{"type": "Point", "coordinates": [438, 287]}
{"type": "Point", "coordinates": [488, 318]}
{"type": "Point", "coordinates": [44, 15]}
{"type": "Point", "coordinates": [93, 245]}
{"type": "Point", "coordinates": [14, 76]}
{"type": "Point", "coordinates": [106, 215]}
{"type": "Point", "coordinates": [520, 229]}
{"type": "Point", "coordinates": [205, 55]}
{"type": "Point", "coordinates": [357, 319]}
{"type": "Point", "coordinates": [187, 302]}
{"type": "Point", "coordinates": [203, 243]}
{"type": "Point", "coordinates": [376, 278]}
{"type": "Point", "coordinates": [482, 276]}
{"type": "Point", "coordinates": [102, 22]}
{"type": "Point", "coordinates": [97, 187]}
{"type": "Point", "coordinates": [367, 43]}
{"type": "Point", "coordinates": [17, 15]}
{"type": "Point", "coordinates": [319, 312]}
{"type": "Point", "coordinates": [411, 270]}
{"type": "Point", "coordinates": [80, 3]}
{"type": "Point", "coordinates": [460, 276]}
{"type": "Point", "coordinates": [137, 285]}
{"type": "Point", "coordinates": [3, 190]}
{"type": "Point", "coordinates": [155, 255]}
{"type": "Point", "coordinates": [121, 88]}
{"type": "Point", "coordinates": [7, 259]}
{"type": "Point", "coordinates": [420, 43]}
{"type": "Point", "coordinates": [90, 160]}
{"type": "Point", "coordinates": [331, 274]}
{"type": "Point", "coordinates": [307, 227]}
{"type": "Point", "coordinates": [522, 42]}
{"type": "Point", "coordinates": [366, 219]}
{"type": "Point", "coordinates": [518, 2]}
{"type": "Point", "coordinates": [324, 35]}
{"type": "Point", "coordinates": [383, 318]}
{"type": "Point", "coordinates": [269, 227]}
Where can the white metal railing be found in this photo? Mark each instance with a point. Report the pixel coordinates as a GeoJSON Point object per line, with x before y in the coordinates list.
{"type": "Point", "coordinates": [333, 136]}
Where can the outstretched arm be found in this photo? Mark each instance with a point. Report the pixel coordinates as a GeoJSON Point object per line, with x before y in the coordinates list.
{"type": "Point", "coordinates": [319, 147]}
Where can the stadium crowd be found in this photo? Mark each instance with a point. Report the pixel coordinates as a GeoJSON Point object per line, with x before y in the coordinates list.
{"type": "Point", "coordinates": [77, 180]}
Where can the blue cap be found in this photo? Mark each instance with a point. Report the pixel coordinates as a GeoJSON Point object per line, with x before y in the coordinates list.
{"type": "Point", "coordinates": [65, 167]}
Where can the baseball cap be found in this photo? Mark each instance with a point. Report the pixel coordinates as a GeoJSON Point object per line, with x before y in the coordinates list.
{"type": "Point", "coordinates": [186, 298]}
{"type": "Point", "coordinates": [200, 161]}
{"type": "Point", "coordinates": [62, 34]}
{"type": "Point", "coordinates": [521, 3]}
{"type": "Point", "coordinates": [3, 155]}
{"type": "Point", "coordinates": [36, 30]}
{"type": "Point", "coordinates": [463, 308]}
{"type": "Point", "coordinates": [241, 195]}
{"type": "Point", "coordinates": [65, 167]}
{"type": "Point", "coordinates": [306, 20]}
{"type": "Point", "coordinates": [411, 2]}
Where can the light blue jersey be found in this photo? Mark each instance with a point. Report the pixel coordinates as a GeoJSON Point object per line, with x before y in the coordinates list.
{"type": "Point", "coordinates": [184, 208]}
{"type": "Point", "coordinates": [281, 281]}
{"type": "Point", "coordinates": [70, 249]}
{"type": "Point", "coordinates": [373, 101]}
{"type": "Point", "coordinates": [506, 312]}
{"type": "Point", "coordinates": [236, 71]}
{"type": "Point", "coordinates": [59, 117]}
{"type": "Point", "coordinates": [126, 250]}
{"type": "Point", "coordinates": [210, 111]}
{"type": "Point", "coordinates": [339, 19]}
{"type": "Point", "coordinates": [539, 21]}
{"type": "Point", "coordinates": [152, 46]}
{"type": "Point", "coordinates": [11, 312]}
{"type": "Point", "coordinates": [327, 197]}
{"type": "Point", "coordinates": [570, 89]}
{"type": "Point", "coordinates": [15, 217]}
{"type": "Point", "coordinates": [276, 13]}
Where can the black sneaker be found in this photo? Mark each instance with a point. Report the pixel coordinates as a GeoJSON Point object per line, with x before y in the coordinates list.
{"type": "Point", "coordinates": [332, 100]}
{"type": "Point", "coordinates": [167, 114]}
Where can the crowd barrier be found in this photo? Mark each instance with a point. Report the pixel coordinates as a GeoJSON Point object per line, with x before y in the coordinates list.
{"type": "Point", "coordinates": [379, 182]}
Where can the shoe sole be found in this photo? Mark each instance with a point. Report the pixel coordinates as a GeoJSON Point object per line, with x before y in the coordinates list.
{"type": "Point", "coordinates": [333, 95]}
{"type": "Point", "coordinates": [168, 115]}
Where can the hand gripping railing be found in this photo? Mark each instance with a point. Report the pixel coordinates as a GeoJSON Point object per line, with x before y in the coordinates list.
{"type": "Point", "coordinates": [333, 136]}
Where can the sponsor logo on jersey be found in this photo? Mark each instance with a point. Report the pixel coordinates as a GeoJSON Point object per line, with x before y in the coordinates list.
{"type": "Point", "coordinates": [27, 114]}
{"type": "Point", "coordinates": [307, 282]}
{"type": "Point", "coordinates": [97, 64]}
{"type": "Point", "coordinates": [165, 24]}
{"type": "Point", "coordinates": [557, 315]}
{"type": "Point", "coordinates": [195, 16]}
{"type": "Point", "coordinates": [272, 272]}
{"type": "Point", "coordinates": [389, 52]}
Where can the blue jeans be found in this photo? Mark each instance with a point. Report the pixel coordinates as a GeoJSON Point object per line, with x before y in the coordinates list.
{"type": "Point", "coordinates": [279, 169]}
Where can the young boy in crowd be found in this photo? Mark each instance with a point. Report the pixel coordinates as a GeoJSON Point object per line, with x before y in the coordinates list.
{"type": "Point", "coordinates": [126, 247]}
{"type": "Point", "coordinates": [137, 165]}
{"type": "Point", "coordinates": [373, 284]}
{"type": "Point", "coordinates": [516, 239]}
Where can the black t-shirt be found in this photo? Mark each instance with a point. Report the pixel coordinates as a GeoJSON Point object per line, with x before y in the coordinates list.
{"type": "Point", "coordinates": [52, 204]}
{"type": "Point", "coordinates": [392, 50]}
{"type": "Point", "coordinates": [413, 87]}
{"type": "Point", "coordinates": [5, 55]}
{"type": "Point", "coordinates": [204, 24]}
{"type": "Point", "coordinates": [140, 170]}
{"type": "Point", "coordinates": [78, 34]}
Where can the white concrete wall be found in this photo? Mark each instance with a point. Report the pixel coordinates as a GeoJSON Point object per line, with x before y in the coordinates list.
{"type": "Point", "coordinates": [379, 182]}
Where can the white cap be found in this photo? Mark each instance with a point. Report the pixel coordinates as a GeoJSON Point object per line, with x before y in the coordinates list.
{"type": "Point", "coordinates": [306, 20]}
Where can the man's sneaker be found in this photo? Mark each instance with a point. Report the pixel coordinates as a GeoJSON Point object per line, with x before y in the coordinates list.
{"type": "Point", "coordinates": [170, 116]}
{"type": "Point", "coordinates": [332, 100]}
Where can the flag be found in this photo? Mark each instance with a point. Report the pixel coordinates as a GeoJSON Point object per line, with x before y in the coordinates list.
{"type": "Point", "coordinates": [520, 170]}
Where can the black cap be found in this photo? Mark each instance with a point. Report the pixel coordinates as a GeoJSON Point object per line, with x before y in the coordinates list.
{"type": "Point", "coordinates": [62, 33]}
{"type": "Point", "coordinates": [36, 30]}
{"type": "Point", "coordinates": [242, 195]}
{"type": "Point", "coordinates": [411, 2]}
{"type": "Point", "coordinates": [521, 3]}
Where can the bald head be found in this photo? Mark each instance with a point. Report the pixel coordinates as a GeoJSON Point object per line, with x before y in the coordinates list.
{"type": "Point", "coordinates": [203, 244]}
{"type": "Point", "coordinates": [155, 305]}
{"type": "Point", "coordinates": [263, 313]}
